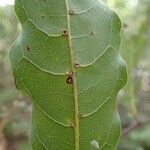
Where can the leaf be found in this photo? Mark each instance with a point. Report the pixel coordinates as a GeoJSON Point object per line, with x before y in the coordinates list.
{"type": "Point", "coordinates": [66, 59]}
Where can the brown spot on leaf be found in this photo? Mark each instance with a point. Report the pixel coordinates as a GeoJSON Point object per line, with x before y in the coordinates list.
{"type": "Point", "coordinates": [71, 12]}
{"type": "Point", "coordinates": [28, 48]}
{"type": "Point", "coordinates": [72, 125]}
{"type": "Point", "coordinates": [93, 33]}
{"type": "Point", "coordinates": [76, 65]}
{"type": "Point", "coordinates": [69, 80]}
{"type": "Point", "coordinates": [65, 33]}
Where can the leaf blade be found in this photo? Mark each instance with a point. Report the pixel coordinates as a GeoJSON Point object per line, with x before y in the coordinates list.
{"type": "Point", "coordinates": [70, 66]}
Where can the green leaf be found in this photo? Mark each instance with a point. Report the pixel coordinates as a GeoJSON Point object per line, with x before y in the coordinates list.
{"type": "Point", "coordinates": [67, 60]}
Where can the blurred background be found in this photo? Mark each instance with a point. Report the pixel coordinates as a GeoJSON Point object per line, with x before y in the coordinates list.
{"type": "Point", "coordinates": [133, 100]}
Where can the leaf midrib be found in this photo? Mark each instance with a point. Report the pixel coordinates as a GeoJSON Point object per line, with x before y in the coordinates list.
{"type": "Point", "coordinates": [76, 107]}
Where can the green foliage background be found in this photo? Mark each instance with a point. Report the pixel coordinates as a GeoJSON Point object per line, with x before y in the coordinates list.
{"type": "Point", "coordinates": [134, 99]}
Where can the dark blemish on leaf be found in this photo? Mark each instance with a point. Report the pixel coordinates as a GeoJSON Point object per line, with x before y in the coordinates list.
{"type": "Point", "coordinates": [43, 16]}
{"type": "Point", "coordinates": [71, 12]}
{"type": "Point", "coordinates": [72, 125]}
{"type": "Point", "coordinates": [44, 0]}
{"type": "Point", "coordinates": [69, 80]}
{"type": "Point", "coordinates": [76, 65]}
{"type": "Point", "coordinates": [28, 48]}
{"type": "Point", "coordinates": [65, 33]}
{"type": "Point", "coordinates": [93, 33]}
{"type": "Point", "coordinates": [70, 122]}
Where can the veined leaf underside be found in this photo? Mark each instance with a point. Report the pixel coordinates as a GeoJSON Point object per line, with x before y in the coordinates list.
{"type": "Point", "coordinates": [67, 60]}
